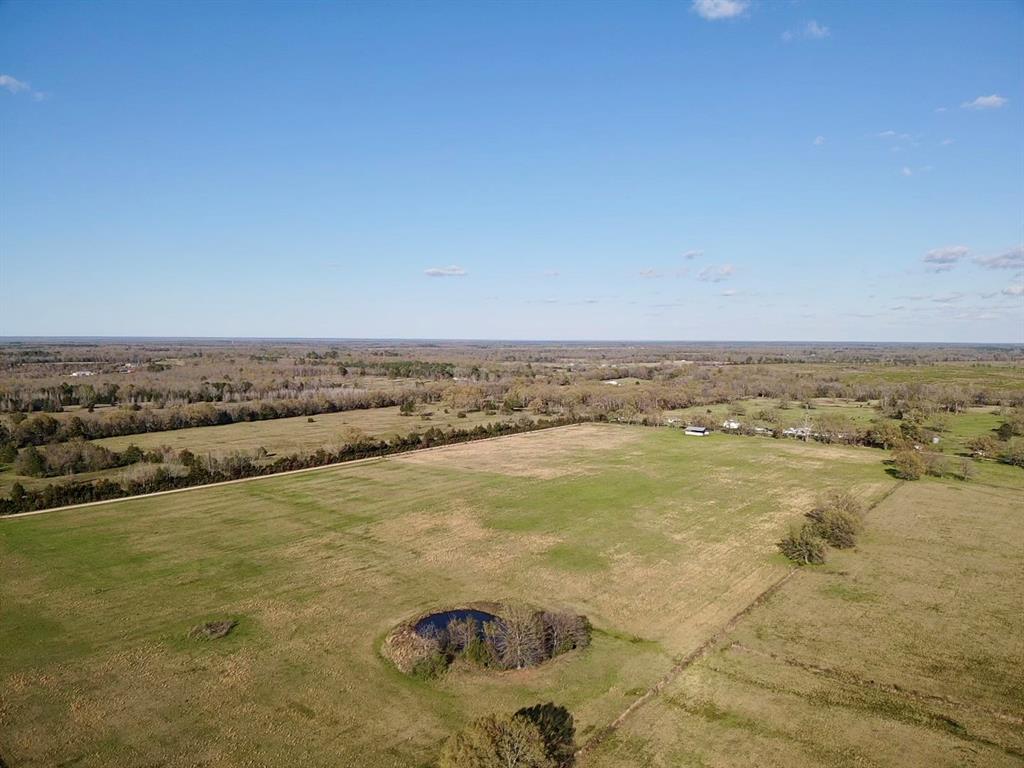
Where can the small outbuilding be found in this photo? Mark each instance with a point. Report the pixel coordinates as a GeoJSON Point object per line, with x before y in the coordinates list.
{"type": "Point", "coordinates": [698, 431]}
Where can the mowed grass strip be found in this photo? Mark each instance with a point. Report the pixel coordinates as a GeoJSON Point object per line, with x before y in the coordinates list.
{"type": "Point", "coordinates": [906, 651]}
{"type": "Point", "coordinates": [657, 537]}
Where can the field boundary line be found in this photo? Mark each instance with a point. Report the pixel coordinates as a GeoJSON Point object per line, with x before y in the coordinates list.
{"type": "Point", "coordinates": [850, 678]}
{"type": "Point", "coordinates": [682, 665]}
{"type": "Point", "coordinates": [704, 648]}
{"type": "Point", "coordinates": [335, 465]}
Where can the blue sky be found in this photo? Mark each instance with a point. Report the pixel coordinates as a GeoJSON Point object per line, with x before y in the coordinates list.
{"type": "Point", "coordinates": [691, 170]}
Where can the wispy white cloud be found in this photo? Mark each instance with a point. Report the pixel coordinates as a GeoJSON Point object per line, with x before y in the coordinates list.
{"type": "Point", "coordinates": [450, 271]}
{"type": "Point", "coordinates": [713, 10]}
{"type": "Point", "coordinates": [948, 298]}
{"type": "Point", "coordinates": [729, 292]}
{"type": "Point", "coordinates": [947, 142]}
{"type": "Point", "coordinates": [1011, 259]}
{"type": "Point", "coordinates": [1016, 289]}
{"type": "Point", "coordinates": [716, 273]}
{"type": "Point", "coordinates": [995, 101]}
{"type": "Point", "coordinates": [649, 273]}
{"type": "Point", "coordinates": [810, 30]}
{"type": "Point", "coordinates": [906, 171]}
{"type": "Point", "coordinates": [819, 141]}
{"type": "Point", "coordinates": [551, 273]}
{"type": "Point", "coordinates": [895, 136]}
{"type": "Point", "coordinates": [815, 30]}
{"type": "Point", "coordinates": [14, 85]}
{"type": "Point", "coordinates": [691, 255]}
{"type": "Point", "coordinates": [945, 258]}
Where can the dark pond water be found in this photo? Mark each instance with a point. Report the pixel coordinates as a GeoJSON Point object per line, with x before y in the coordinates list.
{"type": "Point", "coordinates": [438, 622]}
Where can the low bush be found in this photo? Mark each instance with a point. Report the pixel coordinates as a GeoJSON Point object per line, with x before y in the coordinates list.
{"type": "Point", "coordinates": [497, 741]}
{"type": "Point", "coordinates": [803, 545]}
{"type": "Point", "coordinates": [837, 519]}
{"type": "Point", "coordinates": [556, 728]}
{"type": "Point", "coordinates": [836, 527]}
{"type": "Point", "coordinates": [908, 465]}
{"type": "Point", "coordinates": [429, 667]}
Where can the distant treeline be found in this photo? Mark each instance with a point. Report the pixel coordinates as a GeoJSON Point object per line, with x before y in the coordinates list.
{"type": "Point", "coordinates": [192, 470]}
{"type": "Point", "coordinates": [593, 399]}
{"type": "Point", "coordinates": [305, 376]}
{"type": "Point", "coordinates": [42, 428]}
{"type": "Point", "coordinates": [395, 369]}
{"type": "Point", "coordinates": [55, 398]}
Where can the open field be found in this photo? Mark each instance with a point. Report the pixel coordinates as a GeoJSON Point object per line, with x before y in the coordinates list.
{"type": "Point", "coordinates": [660, 539]}
{"type": "Point", "coordinates": [300, 435]}
{"type": "Point", "coordinates": [277, 436]}
{"type": "Point", "coordinates": [906, 651]}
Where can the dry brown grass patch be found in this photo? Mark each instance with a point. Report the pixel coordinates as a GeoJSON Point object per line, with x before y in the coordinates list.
{"type": "Point", "coordinates": [545, 454]}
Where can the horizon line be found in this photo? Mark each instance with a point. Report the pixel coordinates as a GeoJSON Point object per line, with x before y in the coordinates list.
{"type": "Point", "coordinates": [13, 339]}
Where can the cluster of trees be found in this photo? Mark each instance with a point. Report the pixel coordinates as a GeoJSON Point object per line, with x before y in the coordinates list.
{"type": "Point", "coordinates": [191, 470]}
{"type": "Point", "coordinates": [75, 456]}
{"type": "Point", "coordinates": [835, 521]}
{"type": "Point", "coordinates": [393, 369]}
{"type": "Point", "coordinates": [42, 428]}
{"type": "Point", "coordinates": [541, 736]}
{"type": "Point", "coordinates": [519, 638]}
{"type": "Point", "coordinates": [1006, 445]}
{"type": "Point", "coordinates": [909, 463]}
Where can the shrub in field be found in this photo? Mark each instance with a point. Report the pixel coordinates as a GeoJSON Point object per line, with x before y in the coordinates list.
{"type": "Point", "coordinates": [803, 545]}
{"type": "Point", "coordinates": [837, 519]}
{"type": "Point", "coordinates": [983, 446]}
{"type": "Point", "coordinates": [909, 465]}
{"type": "Point", "coordinates": [966, 470]}
{"type": "Point", "coordinates": [836, 526]}
{"type": "Point", "coordinates": [556, 728]}
{"type": "Point", "coordinates": [845, 501]}
{"type": "Point", "coordinates": [430, 666]}
{"type": "Point", "coordinates": [410, 651]}
{"type": "Point", "coordinates": [497, 742]}
{"type": "Point", "coordinates": [936, 465]}
{"type": "Point", "coordinates": [1013, 453]}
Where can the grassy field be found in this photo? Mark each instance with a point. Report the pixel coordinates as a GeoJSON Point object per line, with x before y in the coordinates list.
{"type": "Point", "coordinates": [278, 436]}
{"type": "Point", "coordinates": [907, 651]}
{"type": "Point", "coordinates": [300, 435]}
{"type": "Point", "coordinates": [660, 539]}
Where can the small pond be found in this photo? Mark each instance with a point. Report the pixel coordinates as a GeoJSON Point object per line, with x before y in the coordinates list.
{"type": "Point", "coordinates": [437, 623]}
